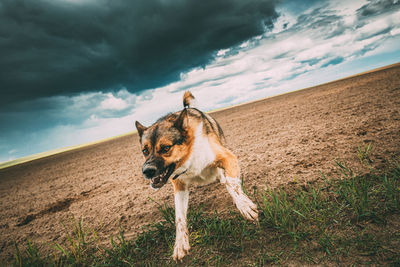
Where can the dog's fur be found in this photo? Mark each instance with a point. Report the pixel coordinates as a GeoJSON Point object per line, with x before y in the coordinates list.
{"type": "Point", "coordinates": [189, 147]}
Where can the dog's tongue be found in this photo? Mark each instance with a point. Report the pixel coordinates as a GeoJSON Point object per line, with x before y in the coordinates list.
{"type": "Point", "coordinates": [157, 182]}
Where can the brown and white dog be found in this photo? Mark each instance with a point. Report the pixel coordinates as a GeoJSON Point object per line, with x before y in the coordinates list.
{"type": "Point", "coordinates": [189, 147]}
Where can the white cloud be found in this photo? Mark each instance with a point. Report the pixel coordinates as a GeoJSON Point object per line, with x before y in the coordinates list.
{"type": "Point", "coordinates": [395, 32]}
{"type": "Point", "coordinates": [112, 102]}
{"type": "Point", "coordinates": [12, 151]}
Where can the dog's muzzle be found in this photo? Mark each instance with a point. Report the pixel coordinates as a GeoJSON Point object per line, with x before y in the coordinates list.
{"type": "Point", "coordinates": [158, 179]}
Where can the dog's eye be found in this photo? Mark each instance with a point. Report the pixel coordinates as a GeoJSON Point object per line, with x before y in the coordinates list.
{"type": "Point", "coordinates": [165, 149]}
{"type": "Point", "coordinates": [145, 152]}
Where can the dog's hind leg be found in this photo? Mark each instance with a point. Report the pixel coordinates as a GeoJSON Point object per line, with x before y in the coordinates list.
{"type": "Point", "coordinates": [230, 176]}
{"type": "Point", "coordinates": [181, 247]}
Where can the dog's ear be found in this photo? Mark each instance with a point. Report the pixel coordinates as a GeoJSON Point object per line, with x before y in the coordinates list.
{"type": "Point", "coordinates": [182, 121]}
{"type": "Point", "coordinates": [140, 128]}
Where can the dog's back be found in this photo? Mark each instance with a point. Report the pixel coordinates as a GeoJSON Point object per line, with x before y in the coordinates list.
{"type": "Point", "coordinates": [210, 125]}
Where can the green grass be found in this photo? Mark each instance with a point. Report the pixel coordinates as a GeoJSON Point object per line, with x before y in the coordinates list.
{"type": "Point", "coordinates": [347, 220]}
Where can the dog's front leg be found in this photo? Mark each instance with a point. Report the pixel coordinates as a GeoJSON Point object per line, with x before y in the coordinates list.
{"type": "Point", "coordinates": [230, 177]}
{"type": "Point", "coordinates": [182, 246]}
{"type": "Point", "coordinates": [246, 207]}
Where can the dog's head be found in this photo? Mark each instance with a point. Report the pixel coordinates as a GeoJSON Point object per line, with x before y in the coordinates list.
{"type": "Point", "coordinates": [165, 146]}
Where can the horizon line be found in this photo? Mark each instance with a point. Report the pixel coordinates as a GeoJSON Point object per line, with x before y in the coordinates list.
{"type": "Point", "coordinates": [44, 154]}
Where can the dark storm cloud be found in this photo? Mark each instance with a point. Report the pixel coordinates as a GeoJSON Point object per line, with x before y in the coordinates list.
{"type": "Point", "coordinates": [54, 47]}
{"type": "Point", "coordinates": [321, 18]}
{"type": "Point", "coordinates": [374, 8]}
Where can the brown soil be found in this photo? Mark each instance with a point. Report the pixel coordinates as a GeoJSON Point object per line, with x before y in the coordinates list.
{"type": "Point", "coordinates": [278, 140]}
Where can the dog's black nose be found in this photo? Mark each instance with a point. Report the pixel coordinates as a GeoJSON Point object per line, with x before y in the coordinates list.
{"type": "Point", "coordinates": [149, 171]}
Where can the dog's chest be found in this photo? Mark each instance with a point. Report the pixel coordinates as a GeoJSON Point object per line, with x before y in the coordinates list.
{"type": "Point", "coordinates": [197, 168]}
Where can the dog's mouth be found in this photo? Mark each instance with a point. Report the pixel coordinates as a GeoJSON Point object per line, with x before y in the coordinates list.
{"type": "Point", "coordinates": [160, 180]}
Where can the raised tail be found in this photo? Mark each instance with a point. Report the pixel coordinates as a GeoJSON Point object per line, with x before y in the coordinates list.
{"type": "Point", "coordinates": [188, 100]}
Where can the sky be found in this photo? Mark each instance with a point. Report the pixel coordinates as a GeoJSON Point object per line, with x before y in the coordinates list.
{"type": "Point", "coordinates": [76, 71]}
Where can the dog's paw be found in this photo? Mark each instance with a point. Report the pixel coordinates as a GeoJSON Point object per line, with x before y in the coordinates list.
{"type": "Point", "coordinates": [248, 209]}
{"type": "Point", "coordinates": [181, 249]}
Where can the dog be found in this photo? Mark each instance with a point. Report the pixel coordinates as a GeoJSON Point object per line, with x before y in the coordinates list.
{"type": "Point", "coordinates": [189, 146]}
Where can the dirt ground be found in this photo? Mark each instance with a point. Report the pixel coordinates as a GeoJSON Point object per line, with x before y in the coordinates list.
{"type": "Point", "coordinates": [292, 137]}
